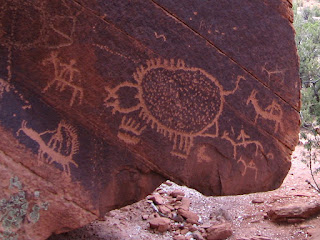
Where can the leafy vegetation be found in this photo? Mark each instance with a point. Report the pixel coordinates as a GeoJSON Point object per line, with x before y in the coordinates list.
{"type": "Point", "coordinates": [16, 210]}
{"type": "Point", "coordinates": [307, 26]}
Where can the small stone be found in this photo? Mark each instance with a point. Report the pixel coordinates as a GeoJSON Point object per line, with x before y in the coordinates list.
{"type": "Point", "coordinates": [206, 225]}
{"type": "Point", "coordinates": [168, 183]}
{"type": "Point", "coordinates": [257, 200]}
{"type": "Point", "coordinates": [219, 232]}
{"type": "Point", "coordinates": [178, 218]}
{"type": "Point", "coordinates": [163, 209]}
{"type": "Point", "coordinates": [192, 221]}
{"type": "Point", "coordinates": [161, 192]}
{"type": "Point", "coordinates": [185, 203]}
{"type": "Point", "coordinates": [197, 235]}
{"type": "Point", "coordinates": [179, 198]}
{"type": "Point", "coordinates": [176, 193]}
{"type": "Point", "coordinates": [179, 237]}
{"type": "Point", "coordinates": [184, 231]}
{"type": "Point", "coordinates": [191, 216]}
{"type": "Point", "coordinates": [170, 207]}
{"type": "Point", "coordinates": [145, 217]}
{"type": "Point", "coordinates": [193, 228]}
{"type": "Point", "coordinates": [157, 199]}
{"type": "Point", "coordinates": [161, 224]}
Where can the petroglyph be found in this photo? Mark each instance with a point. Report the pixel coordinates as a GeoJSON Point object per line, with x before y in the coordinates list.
{"type": "Point", "coordinates": [205, 26]}
{"type": "Point", "coordinates": [107, 49]}
{"type": "Point", "coordinates": [4, 87]}
{"type": "Point", "coordinates": [250, 165]}
{"type": "Point", "coordinates": [202, 155]}
{"type": "Point", "coordinates": [130, 125]}
{"type": "Point", "coordinates": [28, 25]}
{"type": "Point", "coordinates": [64, 77]}
{"type": "Point", "coordinates": [62, 145]}
{"type": "Point", "coordinates": [243, 140]}
{"type": "Point", "coordinates": [7, 87]}
{"type": "Point", "coordinates": [160, 36]}
{"type": "Point", "coordinates": [278, 73]}
{"type": "Point", "coordinates": [175, 100]}
{"type": "Point", "coordinates": [273, 112]}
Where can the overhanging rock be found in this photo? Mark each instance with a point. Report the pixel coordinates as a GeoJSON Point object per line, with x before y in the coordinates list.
{"type": "Point", "coordinates": [101, 101]}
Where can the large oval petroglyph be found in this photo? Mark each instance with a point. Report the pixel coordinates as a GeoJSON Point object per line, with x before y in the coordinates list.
{"type": "Point", "coordinates": [178, 101]}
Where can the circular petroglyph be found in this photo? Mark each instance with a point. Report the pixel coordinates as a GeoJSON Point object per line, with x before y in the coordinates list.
{"type": "Point", "coordinates": [177, 97]}
{"type": "Point", "coordinates": [182, 99]}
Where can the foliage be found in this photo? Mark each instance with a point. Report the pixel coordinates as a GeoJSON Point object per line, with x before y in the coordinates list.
{"type": "Point", "coordinates": [308, 45]}
{"type": "Point", "coordinates": [311, 156]}
{"type": "Point", "coordinates": [14, 211]}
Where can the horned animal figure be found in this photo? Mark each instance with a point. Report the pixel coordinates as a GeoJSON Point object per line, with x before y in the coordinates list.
{"type": "Point", "coordinates": [273, 112]}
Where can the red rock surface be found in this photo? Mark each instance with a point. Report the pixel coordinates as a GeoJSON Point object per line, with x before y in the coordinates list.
{"type": "Point", "coordinates": [101, 101]}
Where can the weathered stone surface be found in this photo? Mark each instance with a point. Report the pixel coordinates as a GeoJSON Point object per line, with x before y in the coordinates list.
{"type": "Point", "coordinates": [294, 212]}
{"type": "Point", "coordinates": [101, 101]}
{"type": "Point", "coordinates": [161, 224]}
{"type": "Point", "coordinates": [219, 232]}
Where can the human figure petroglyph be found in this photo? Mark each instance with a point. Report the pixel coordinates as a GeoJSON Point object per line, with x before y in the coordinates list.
{"type": "Point", "coordinates": [250, 165]}
{"type": "Point", "coordinates": [243, 140]}
{"type": "Point", "coordinates": [177, 101]}
{"type": "Point", "coordinates": [273, 112]}
{"type": "Point", "coordinates": [64, 76]}
{"type": "Point", "coordinates": [61, 147]}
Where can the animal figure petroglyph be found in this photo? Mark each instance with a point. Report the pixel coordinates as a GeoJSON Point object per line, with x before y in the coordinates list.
{"type": "Point", "coordinates": [243, 140]}
{"type": "Point", "coordinates": [250, 165]}
{"type": "Point", "coordinates": [273, 112]}
{"type": "Point", "coordinates": [175, 100]}
{"type": "Point", "coordinates": [278, 72]}
{"type": "Point", "coordinates": [64, 77]}
{"type": "Point", "coordinates": [61, 147]}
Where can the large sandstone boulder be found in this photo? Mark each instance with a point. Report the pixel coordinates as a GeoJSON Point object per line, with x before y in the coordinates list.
{"type": "Point", "coordinates": [101, 101]}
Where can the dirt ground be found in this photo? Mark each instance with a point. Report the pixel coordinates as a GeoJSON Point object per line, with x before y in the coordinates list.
{"type": "Point", "coordinates": [248, 219]}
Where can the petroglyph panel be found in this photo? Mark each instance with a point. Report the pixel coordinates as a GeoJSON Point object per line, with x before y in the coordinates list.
{"type": "Point", "coordinates": [253, 46]}
{"type": "Point", "coordinates": [153, 92]}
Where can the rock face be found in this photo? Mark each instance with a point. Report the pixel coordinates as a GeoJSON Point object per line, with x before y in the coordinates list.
{"type": "Point", "coordinates": [101, 101]}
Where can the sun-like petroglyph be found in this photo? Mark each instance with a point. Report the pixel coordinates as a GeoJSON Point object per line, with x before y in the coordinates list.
{"type": "Point", "coordinates": [248, 165]}
{"type": "Point", "coordinates": [277, 74]}
{"type": "Point", "coordinates": [64, 77]}
{"type": "Point", "coordinates": [175, 100]}
{"type": "Point", "coordinates": [243, 140]}
{"type": "Point", "coordinates": [273, 112]}
{"type": "Point", "coordinates": [62, 145]}
{"type": "Point", "coordinates": [162, 36]}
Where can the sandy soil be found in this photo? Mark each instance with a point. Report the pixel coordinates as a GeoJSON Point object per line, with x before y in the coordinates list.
{"type": "Point", "coordinates": [248, 219]}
